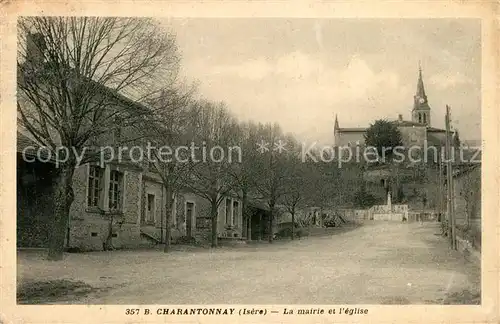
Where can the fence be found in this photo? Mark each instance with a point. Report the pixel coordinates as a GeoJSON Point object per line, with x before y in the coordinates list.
{"type": "Point", "coordinates": [377, 212]}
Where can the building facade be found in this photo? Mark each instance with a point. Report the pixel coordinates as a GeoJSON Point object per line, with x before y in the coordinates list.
{"type": "Point", "coordinates": [136, 200]}
{"type": "Point", "coordinates": [124, 200]}
{"type": "Point", "coordinates": [416, 131]}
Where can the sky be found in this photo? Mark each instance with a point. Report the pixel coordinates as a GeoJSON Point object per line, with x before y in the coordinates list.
{"type": "Point", "coordinates": [302, 72]}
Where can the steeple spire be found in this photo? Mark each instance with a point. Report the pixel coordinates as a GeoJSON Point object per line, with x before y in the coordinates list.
{"type": "Point", "coordinates": [420, 84]}
{"type": "Point", "coordinates": [421, 109]}
{"type": "Point", "coordinates": [336, 126]}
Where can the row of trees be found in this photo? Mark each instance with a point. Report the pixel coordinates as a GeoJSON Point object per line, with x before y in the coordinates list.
{"type": "Point", "coordinates": [271, 168]}
{"type": "Point", "coordinates": [79, 77]}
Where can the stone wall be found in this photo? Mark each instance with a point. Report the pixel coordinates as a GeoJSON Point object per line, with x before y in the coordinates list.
{"type": "Point", "coordinates": [88, 227]}
{"type": "Point", "coordinates": [34, 204]}
{"type": "Point", "coordinates": [467, 196]}
{"type": "Point", "coordinates": [413, 135]}
{"type": "Point", "coordinates": [349, 138]}
{"type": "Point", "coordinates": [357, 216]}
{"type": "Point", "coordinates": [394, 217]}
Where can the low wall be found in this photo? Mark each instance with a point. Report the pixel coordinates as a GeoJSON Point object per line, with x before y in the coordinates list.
{"type": "Point", "coordinates": [389, 217]}
{"type": "Point", "coordinates": [357, 216]}
{"type": "Point", "coordinates": [377, 212]}
{"type": "Point", "coordinates": [465, 247]}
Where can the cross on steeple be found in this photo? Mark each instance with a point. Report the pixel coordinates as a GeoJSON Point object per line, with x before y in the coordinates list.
{"type": "Point", "coordinates": [420, 96]}
{"type": "Point", "coordinates": [421, 109]}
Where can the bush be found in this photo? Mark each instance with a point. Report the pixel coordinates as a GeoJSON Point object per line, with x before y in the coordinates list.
{"type": "Point", "coordinates": [363, 198]}
{"type": "Point", "coordinates": [185, 240]}
{"type": "Point", "coordinates": [287, 233]}
{"type": "Point", "coordinates": [330, 222]}
{"type": "Point", "coordinates": [40, 292]}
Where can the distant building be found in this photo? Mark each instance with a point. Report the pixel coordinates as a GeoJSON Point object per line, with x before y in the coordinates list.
{"type": "Point", "coordinates": [414, 132]}
{"type": "Point", "coordinates": [414, 183]}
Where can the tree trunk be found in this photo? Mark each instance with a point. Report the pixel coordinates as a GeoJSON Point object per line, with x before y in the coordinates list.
{"type": "Point", "coordinates": [63, 198]}
{"type": "Point", "coordinates": [213, 215]}
{"type": "Point", "coordinates": [244, 213]}
{"type": "Point", "coordinates": [108, 245]}
{"type": "Point", "coordinates": [293, 224]}
{"type": "Point", "coordinates": [468, 202]}
{"type": "Point", "coordinates": [271, 215]}
{"type": "Point", "coordinates": [168, 220]}
{"type": "Point", "coordinates": [261, 227]}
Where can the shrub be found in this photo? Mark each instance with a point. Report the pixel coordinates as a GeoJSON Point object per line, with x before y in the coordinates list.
{"type": "Point", "coordinates": [330, 222]}
{"type": "Point", "coordinates": [185, 240]}
{"type": "Point", "coordinates": [363, 198]}
{"type": "Point", "coordinates": [287, 233]}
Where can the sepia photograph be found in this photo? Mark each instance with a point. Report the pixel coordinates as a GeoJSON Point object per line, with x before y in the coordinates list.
{"type": "Point", "coordinates": [199, 164]}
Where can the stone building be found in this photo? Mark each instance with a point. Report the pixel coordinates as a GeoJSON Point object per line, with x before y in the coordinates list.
{"type": "Point", "coordinates": [121, 197]}
{"type": "Point", "coordinates": [414, 180]}
{"type": "Point", "coordinates": [129, 197]}
{"type": "Point", "coordinates": [413, 132]}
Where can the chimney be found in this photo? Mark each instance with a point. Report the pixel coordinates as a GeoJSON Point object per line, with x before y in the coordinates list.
{"type": "Point", "coordinates": [400, 117]}
{"type": "Point", "coordinates": [35, 47]}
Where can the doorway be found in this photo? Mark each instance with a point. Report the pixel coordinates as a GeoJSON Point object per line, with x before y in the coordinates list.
{"type": "Point", "coordinates": [189, 218]}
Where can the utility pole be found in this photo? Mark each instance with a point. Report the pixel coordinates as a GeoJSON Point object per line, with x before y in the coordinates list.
{"type": "Point", "coordinates": [449, 181]}
{"type": "Point", "coordinates": [440, 186]}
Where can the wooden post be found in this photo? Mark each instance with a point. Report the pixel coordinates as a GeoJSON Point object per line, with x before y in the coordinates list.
{"type": "Point", "coordinates": [440, 186]}
{"type": "Point", "coordinates": [260, 226]}
{"type": "Point", "coordinates": [449, 181]}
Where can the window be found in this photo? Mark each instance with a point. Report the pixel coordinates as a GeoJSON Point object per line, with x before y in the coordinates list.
{"type": "Point", "coordinates": [94, 186]}
{"type": "Point", "coordinates": [115, 190]}
{"type": "Point", "coordinates": [151, 208]}
{"type": "Point", "coordinates": [228, 212]}
{"type": "Point", "coordinates": [425, 117]}
{"type": "Point", "coordinates": [236, 206]}
{"type": "Point", "coordinates": [419, 117]}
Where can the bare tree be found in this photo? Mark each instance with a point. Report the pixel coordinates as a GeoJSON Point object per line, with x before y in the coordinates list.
{"type": "Point", "coordinates": [215, 132]}
{"type": "Point", "coordinates": [73, 73]}
{"type": "Point", "coordinates": [245, 173]}
{"type": "Point", "coordinates": [272, 172]}
{"type": "Point", "coordinates": [296, 182]}
{"type": "Point", "coordinates": [173, 112]}
{"type": "Point", "coordinates": [470, 191]}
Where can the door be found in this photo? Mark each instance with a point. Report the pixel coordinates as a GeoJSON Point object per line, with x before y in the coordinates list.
{"type": "Point", "coordinates": [189, 218]}
{"type": "Point", "coordinates": [151, 208]}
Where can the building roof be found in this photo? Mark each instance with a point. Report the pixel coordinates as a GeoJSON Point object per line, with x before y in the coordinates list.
{"type": "Point", "coordinates": [464, 169]}
{"type": "Point", "coordinates": [31, 148]}
{"type": "Point", "coordinates": [407, 123]}
{"type": "Point", "coordinates": [258, 204]}
{"type": "Point", "coordinates": [435, 130]}
{"type": "Point", "coordinates": [399, 123]}
{"type": "Point", "coordinates": [352, 130]}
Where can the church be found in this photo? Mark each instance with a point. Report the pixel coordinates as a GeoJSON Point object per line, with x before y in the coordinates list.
{"type": "Point", "coordinates": [410, 185]}
{"type": "Point", "coordinates": [414, 132]}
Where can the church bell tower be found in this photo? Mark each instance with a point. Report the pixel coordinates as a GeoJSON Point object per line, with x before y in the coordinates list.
{"type": "Point", "coordinates": [421, 112]}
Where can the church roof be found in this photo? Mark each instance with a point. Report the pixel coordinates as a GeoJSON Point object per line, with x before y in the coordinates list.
{"type": "Point", "coordinates": [407, 123]}
{"type": "Point", "coordinates": [435, 130]}
{"type": "Point", "coordinates": [420, 85]}
{"type": "Point", "coordinates": [352, 130]}
{"type": "Point", "coordinates": [420, 98]}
